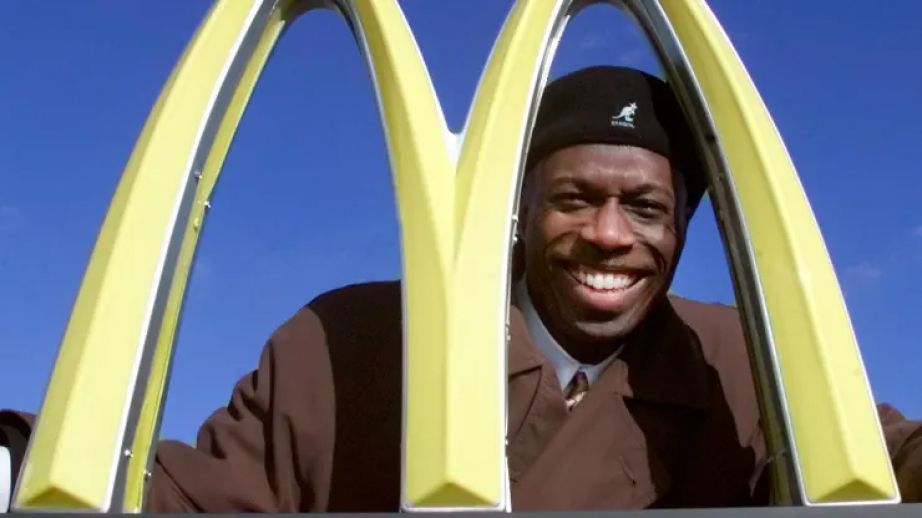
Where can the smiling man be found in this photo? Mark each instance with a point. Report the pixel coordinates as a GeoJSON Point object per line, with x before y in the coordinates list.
{"type": "Point", "coordinates": [660, 408]}
{"type": "Point", "coordinates": [604, 213]}
{"type": "Point", "coordinates": [619, 395]}
{"type": "Point", "coordinates": [604, 210]}
{"type": "Point", "coordinates": [601, 236]}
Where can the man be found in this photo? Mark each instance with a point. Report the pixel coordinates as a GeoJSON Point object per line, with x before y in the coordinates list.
{"type": "Point", "coordinates": [619, 396]}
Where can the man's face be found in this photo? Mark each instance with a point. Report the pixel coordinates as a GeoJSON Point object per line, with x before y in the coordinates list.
{"type": "Point", "coordinates": [601, 239]}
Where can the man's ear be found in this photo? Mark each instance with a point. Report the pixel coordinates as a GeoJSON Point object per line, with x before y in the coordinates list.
{"type": "Point", "coordinates": [518, 244]}
{"type": "Point", "coordinates": [521, 222]}
{"type": "Point", "coordinates": [524, 213]}
{"type": "Point", "coordinates": [526, 200]}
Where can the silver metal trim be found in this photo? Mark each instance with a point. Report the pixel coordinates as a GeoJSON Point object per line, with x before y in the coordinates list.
{"type": "Point", "coordinates": [737, 246]}
{"type": "Point", "coordinates": [6, 479]}
{"type": "Point", "coordinates": [221, 96]}
{"type": "Point", "coordinates": [562, 15]}
{"type": "Point", "coordinates": [223, 92]}
{"type": "Point", "coordinates": [722, 189]}
{"type": "Point", "coordinates": [349, 11]}
{"type": "Point", "coordinates": [454, 141]}
{"type": "Point", "coordinates": [769, 383]}
{"type": "Point", "coordinates": [882, 511]}
{"type": "Point", "coordinates": [552, 38]}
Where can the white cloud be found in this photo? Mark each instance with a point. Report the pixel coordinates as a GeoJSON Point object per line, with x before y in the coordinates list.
{"type": "Point", "coordinates": [11, 219]}
{"type": "Point", "coordinates": [865, 272]}
{"type": "Point", "coordinates": [591, 40]}
{"type": "Point", "coordinates": [632, 56]}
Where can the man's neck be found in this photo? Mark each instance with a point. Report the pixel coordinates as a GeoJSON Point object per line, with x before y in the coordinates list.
{"type": "Point", "coordinates": [564, 362]}
{"type": "Point", "coordinates": [584, 350]}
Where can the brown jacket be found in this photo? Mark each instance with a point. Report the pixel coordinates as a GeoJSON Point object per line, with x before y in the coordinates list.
{"type": "Point", "coordinates": [672, 422]}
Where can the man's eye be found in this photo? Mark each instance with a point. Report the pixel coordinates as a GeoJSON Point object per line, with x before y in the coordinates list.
{"type": "Point", "coordinates": [569, 201]}
{"type": "Point", "coordinates": [649, 208]}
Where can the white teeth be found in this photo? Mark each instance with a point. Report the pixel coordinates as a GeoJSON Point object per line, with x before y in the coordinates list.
{"type": "Point", "coordinates": [605, 281]}
{"type": "Point", "coordinates": [609, 282]}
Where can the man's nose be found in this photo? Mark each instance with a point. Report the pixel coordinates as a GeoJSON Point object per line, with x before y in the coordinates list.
{"type": "Point", "coordinates": [609, 228]}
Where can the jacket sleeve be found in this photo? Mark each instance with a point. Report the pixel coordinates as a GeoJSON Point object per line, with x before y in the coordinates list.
{"type": "Point", "coordinates": [904, 441]}
{"type": "Point", "coordinates": [270, 449]}
{"type": "Point", "coordinates": [15, 428]}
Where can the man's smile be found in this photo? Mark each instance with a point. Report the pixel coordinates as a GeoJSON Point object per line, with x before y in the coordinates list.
{"type": "Point", "coordinates": [606, 290]}
{"type": "Point", "coordinates": [604, 280]}
{"type": "Point", "coordinates": [600, 235]}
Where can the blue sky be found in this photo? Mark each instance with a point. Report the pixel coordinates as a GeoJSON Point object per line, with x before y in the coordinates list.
{"type": "Point", "coordinates": [304, 203]}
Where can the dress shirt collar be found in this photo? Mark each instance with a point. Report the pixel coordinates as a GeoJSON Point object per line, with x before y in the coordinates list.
{"type": "Point", "coordinates": [564, 364]}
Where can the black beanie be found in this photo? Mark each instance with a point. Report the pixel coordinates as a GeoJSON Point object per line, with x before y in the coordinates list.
{"type": "Point", "coordinates": [617, 105]}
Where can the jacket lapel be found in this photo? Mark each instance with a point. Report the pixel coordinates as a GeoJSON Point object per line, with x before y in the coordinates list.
{"type": "Point", "coordinates": [597, 460]}
{"type": "Point", "coordinates": [615, 449]}
{"type": "Point", "coordinates": [536, 408]}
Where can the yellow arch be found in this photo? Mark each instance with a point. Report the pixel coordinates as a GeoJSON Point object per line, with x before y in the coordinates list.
{"type": "Point", "coordinates": [92, 444]}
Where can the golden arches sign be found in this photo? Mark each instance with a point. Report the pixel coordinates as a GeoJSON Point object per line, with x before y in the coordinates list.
{"type": "Point", "coordinates": [457, 204]}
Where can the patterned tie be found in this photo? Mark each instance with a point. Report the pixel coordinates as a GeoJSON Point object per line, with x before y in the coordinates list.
{"type": "Point", "coordinates": [577, 389]}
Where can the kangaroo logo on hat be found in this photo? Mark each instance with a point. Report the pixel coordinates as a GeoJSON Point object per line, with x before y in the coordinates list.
{"type": "Point", "coordinates": [626, 117]}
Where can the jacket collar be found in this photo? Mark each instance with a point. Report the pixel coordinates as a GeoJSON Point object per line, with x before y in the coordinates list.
{"type": "Point", "coordinates": [662, 363]}
{"type": "Point", "coordinates": [523, 355]}
{"type": "Point", "coordinates": [565, 366]}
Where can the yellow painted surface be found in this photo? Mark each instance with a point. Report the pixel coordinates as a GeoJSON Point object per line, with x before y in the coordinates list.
{"type": "Point", "coordinates": [155, 391]}
{"type": "Point", "coordinates": [77, 442]}
{"type": "Point", "coordinates": [835, 427]}
{"type": "Point", "coordinates": [456, 228]}
{"type": "Point", "coordinates": [455, 219]}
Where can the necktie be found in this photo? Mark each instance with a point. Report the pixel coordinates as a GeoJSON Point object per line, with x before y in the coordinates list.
{"type": "Point", "coordinates": [577, 389]}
